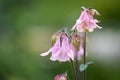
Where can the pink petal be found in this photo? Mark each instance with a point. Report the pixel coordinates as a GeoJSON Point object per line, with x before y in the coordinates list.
{"type": "Point", "coordinates": [71, 54]}
{"type": "Point", "coordinates": [57, 77]}
{"type": "Point", "coordinates": [55, 57]}
{"type": "Point", "coordinates": [56, 46]}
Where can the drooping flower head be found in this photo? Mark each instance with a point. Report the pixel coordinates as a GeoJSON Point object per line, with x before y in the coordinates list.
{"type": "Point", "coordinates": [86, 21]}
{"type": "Point", "coordinates": [60, 51]}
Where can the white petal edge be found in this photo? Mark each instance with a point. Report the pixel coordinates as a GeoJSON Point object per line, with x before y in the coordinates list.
{"type": "Point", "coordinates": [73, 28]}
{"type": "Point", "coordinates": [98, 26]}
{"type": "Point", "coordinates": [45, 53]}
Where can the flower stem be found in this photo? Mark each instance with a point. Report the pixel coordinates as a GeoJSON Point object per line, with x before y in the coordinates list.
{"type": "Point", "coordinates": [77, 69]}
{"type": "Point", "coordinates": [73, 70]}
{"type": "Point", "coordinates": [84, 54]}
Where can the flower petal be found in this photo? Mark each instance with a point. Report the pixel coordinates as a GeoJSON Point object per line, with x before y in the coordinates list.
{"type": "Point", "coordinates": [73, 28]}
{"type": "Point", "coordinates": [45, 53]}
{"type": "Point", "coordinates": [71, 54]}
{"type": "Point", "coordinates": [55, 56]}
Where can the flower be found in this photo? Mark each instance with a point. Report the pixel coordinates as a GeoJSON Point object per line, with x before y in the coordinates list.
{"type": "Point", "coordinates": [61, 77]}
{"type": "Point", "coordinates": [86, 21]}
{"type": "Point", "coordinates": [61, 50]}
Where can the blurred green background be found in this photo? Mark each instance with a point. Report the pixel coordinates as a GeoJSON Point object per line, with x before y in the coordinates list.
{"type": "Point", "coordinates": [26, 27]}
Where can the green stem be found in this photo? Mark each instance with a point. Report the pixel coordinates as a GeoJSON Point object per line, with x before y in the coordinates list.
{"type": "Point", "coordinates": [84, 54]}
{"type": "Point", "coordinates": [77, 69]}
{"type": "Point", "coordinates": [73, 70]}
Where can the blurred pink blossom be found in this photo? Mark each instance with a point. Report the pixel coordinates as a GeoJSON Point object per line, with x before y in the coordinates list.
{"type": "Point", "coordinates": [61, 77]}
{"type": "Point", "coordinates": [86, 21]}
{"type": "Point", "coordinates": [61, 50]}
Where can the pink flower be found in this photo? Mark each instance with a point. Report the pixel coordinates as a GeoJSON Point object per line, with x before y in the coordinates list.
{"type": "Point", "coordinates": [61, 77]}
{"type": "Point", "coordinates": [61, 50]}
{"type": "Point", "coordinates": [86, 21]}
{"type": "Point", "coordinates": [57, 77]}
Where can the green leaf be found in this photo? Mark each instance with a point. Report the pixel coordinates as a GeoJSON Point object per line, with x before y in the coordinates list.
{"type": "Point", "coordinates": [89, 63]}
{"type": "Point", "coordinates": [84, 66]}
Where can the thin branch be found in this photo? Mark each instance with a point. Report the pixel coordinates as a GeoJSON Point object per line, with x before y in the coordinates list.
{"type": "Point", "coordinates": [73, 70]}
{"type": "Point", "coordinates": [77, 69]}
{"type": "Point", "coordinates": [84, 54]}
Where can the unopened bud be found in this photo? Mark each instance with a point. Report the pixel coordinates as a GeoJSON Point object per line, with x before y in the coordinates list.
{"type": "Point", "coordinates": [83, 8]}
{"type": "Point", "coordinates": [55, 37]}
{"type": "Point", "coordinates": [94, 12]}
{"type": "Point", "coordinates": [76, 41]}
{"type": "Point", "coordinates": [61, 77]}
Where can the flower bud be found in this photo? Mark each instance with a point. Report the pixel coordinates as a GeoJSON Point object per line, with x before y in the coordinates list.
{"type": "Point", "coordinates": [75, 39]}
{"type": "Point", "coordinates": [61, 77]}
{"type": "Point", "coordinates": [55, 37]}
{"type": "Point", "coordinates": [83, 8]}
{"type": "Point", "coordinates": [94, 12]}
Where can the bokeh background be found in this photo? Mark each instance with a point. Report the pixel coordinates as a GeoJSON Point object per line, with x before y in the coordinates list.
{"type": "Point", "coordinates": [26, 27]}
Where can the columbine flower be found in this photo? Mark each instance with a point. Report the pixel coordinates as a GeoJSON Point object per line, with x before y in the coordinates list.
{"type": "Point", "coordinates": [61, 77]}
{"type": "Point", "coordinates": [61, 50]}
{"type": "Point", "coordinates": [86, 21]}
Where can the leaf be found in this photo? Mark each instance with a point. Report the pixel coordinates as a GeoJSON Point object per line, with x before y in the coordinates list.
{"type": "Point", "coordinates": [84, 66]}
{"type": "Point", "coordinates": [89, 63]}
